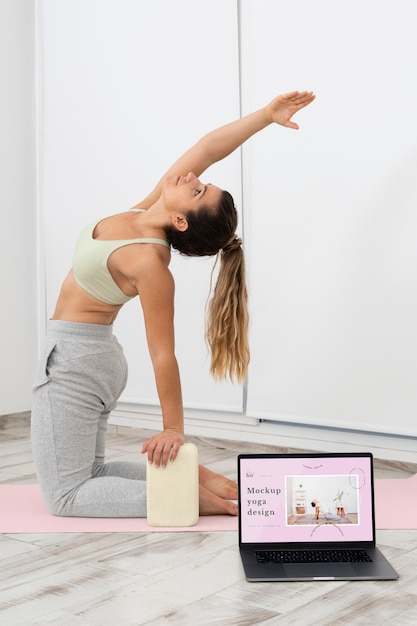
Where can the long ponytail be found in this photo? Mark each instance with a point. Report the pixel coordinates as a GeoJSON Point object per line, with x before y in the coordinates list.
{"type": "Point", "coordinates": [227, 318]}
{"type": "Point", "coordinates": [210, 232]}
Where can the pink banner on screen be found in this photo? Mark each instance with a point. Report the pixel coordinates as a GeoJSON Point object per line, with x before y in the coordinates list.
{"type": "Point", "coordinates": [277, 496]}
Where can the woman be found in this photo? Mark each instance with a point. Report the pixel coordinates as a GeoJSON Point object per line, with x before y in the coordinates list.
{"type": "Point", "coordinates": [83, 372]}
{"type": "Point", "coordinates": [321, 508]}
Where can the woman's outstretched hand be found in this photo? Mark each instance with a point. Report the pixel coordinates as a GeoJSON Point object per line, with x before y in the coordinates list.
{"type": "Point", "coordinates": [163, 446]}
{"type": "Point", "coordinates": [283, 107]}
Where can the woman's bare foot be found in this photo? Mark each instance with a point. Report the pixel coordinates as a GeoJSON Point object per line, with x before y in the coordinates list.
{"type": "Point", "coordinates": [210, 504]}
{"type": "Point", "coordinates": [217, 484]}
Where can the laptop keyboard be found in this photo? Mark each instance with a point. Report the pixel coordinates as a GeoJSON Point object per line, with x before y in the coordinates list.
{"type": "Point", "coordinates": [313, 556]}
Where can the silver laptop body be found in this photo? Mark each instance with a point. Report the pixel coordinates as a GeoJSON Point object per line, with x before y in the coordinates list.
{"type": "Point", "coordinates": [309, 517]}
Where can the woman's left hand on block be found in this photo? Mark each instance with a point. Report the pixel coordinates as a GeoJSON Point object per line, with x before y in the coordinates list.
{"type": "Point", "coordinates": [163, 446]}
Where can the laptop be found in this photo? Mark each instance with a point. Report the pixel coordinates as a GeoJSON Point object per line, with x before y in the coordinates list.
{"type": "Point", "coordinates": [309, 517]}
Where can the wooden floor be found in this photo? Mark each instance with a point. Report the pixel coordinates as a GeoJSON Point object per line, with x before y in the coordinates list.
{"type": "Point", "coordinates": [184, 579]}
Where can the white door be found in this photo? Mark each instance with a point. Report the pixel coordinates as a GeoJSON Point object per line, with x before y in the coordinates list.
{"type": "Point", "coordinates": [128, 86]}
{"type": "Point", "coordinates": [330, 211]}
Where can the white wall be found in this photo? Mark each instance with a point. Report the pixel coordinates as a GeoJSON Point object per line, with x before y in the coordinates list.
{"type": "Point", "coordinates": [328, 210]}
{"type": "Point", "coordinates": [330, 215]}
{"type": "Point", "coordinates": [128, 87]}
{"type": "Point", "coordinates": [333, 332]}
{"type": "Point", "coordinates": [18, 275]}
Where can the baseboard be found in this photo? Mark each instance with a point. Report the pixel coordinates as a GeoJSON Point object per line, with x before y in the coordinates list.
{"type": "Point", "coordinates": [14, 418]}
{"type": "Point", "coordinates": [239, 428]}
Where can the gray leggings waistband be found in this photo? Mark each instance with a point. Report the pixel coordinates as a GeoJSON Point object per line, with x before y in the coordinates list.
{"type": "Point", "coordinates": [59, 327]}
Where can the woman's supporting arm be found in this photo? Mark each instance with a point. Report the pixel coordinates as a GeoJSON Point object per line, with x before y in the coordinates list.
{"type": "Point", "coordinates": [155, 285]}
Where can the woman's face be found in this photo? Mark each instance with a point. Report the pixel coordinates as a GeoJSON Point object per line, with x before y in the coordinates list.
{"type": "Point", "coordinates": [188, 193]}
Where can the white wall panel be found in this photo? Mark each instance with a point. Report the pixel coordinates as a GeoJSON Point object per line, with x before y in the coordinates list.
{"type": "Point", "coordinates": [128, 86]}
{"type": "Point", "coordinates": [18, 309]}
{"type": "Point", "coordinates": [330, 214]}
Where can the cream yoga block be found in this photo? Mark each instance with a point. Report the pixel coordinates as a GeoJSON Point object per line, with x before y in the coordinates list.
{"type": "Point", "coordinates": [172, 491]}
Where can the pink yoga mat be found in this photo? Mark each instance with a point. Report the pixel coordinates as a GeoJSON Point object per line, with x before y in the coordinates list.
{"type": "Point", "coordinates": [22, 510]}
{"type": "Point", "coordinates": [396, 503]}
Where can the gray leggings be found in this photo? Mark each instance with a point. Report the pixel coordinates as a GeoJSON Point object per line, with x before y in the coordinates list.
{"type": "Point", "coordinates": [80, 376]}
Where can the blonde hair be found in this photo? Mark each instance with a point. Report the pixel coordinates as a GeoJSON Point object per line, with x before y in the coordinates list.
{"type": "Point", "coordinates": [210, 232]}
{"type": "Point", "coordinates": [227, 318]}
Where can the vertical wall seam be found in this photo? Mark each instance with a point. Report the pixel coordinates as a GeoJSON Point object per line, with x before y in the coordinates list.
{"type": "Point", "coordinates": [240, 81]}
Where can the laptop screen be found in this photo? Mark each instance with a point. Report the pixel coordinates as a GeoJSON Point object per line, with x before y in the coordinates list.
{"type": "Point", "coordinates": [305, 498]}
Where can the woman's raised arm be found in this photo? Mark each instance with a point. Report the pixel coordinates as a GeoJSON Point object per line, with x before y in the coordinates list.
{"type": "Point", "coordinates": [221, 142]}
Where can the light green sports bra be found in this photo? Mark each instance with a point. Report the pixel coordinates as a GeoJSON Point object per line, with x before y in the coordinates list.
{"type": "Point", "coordinates": [90, 264]}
